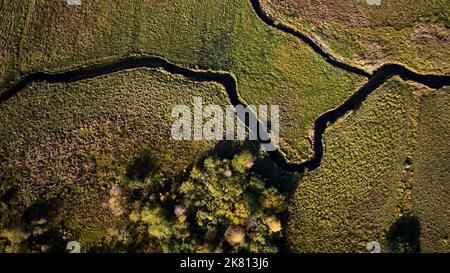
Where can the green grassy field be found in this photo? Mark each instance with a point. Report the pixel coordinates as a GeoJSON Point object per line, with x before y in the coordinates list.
{"type": "Point", "coordinates": [430, 188]}
{"type": "Point", "coordinates": [12, 23]}
{"type": "Point", "coordinates": [271, 67]}
{"type": "Point", "coordinates": [368, 179]}
{"type": "Point", "coordinates": [412, 33]}
{"type": "Point", "coordinates": [72, 155]}
{"type": "Point", "coordinates": [70, 144]}
{"type": "Point", "coordinates": [57, 36]}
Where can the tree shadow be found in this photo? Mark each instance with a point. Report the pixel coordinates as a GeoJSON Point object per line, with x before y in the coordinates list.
{"type": "Point", "coordinates": [9, 194]}
{"type": "Point", "coordinates": [226, 149]}
{"type": "Point", "coordinates": [43, 208]}
{"type": "Point", "coordinates": [142, 167]}
{"type": "Point", "coordinates": [404, 235]}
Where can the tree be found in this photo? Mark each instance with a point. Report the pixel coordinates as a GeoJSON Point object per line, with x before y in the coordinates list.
{"type": "Point", "coordinates": [221, 204]}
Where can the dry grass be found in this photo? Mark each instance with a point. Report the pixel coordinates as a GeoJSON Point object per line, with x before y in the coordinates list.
{"type": "Point", "coordinates": [431, 172]}
{"type": "Point", "coordinates": [12, 21]}
{"type": "Point", "coordinates": [74, 142]}
{"type": "Point", "coordinates": [59, 36]}
{"type": "Point", "coordinates": [413, 33]}
{"type": "Point", "coordinates": [367, 182]}
{"type": "Point", "coordinates": [271, 67]}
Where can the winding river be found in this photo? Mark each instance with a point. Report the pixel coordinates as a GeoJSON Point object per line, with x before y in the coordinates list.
{"type": "Point", "coordinates": [229, 82]}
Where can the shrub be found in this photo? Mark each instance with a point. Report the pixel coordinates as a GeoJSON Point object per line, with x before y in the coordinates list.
{"type": "Point", "coordinates": [235, 236]}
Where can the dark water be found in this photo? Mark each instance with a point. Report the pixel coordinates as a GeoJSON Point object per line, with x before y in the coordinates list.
{"type": "Point", "coordinates": [317, 48]}
{"type": "Point", "coordinates": [225, 79]}
{"type": "Point", "coordinates": [433, 81]}
{"type": "Point", "coordinates": [379, 77]}
{"type": "Point", "coordinates": [228, 81]}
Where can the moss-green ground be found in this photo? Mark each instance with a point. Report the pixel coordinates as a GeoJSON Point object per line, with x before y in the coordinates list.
{"type": "Point", "coordinates": [74, 142]}
{"type": "Point", "coordinates": [271, 67]}
{"type": "Point", "coordinates": [430, 186]}
{"type": "Point", "coordinates": [413, 33]}
{"type": "Point", "coordinates": [77, 140]}
{"type": "Point", "coordinates": [377, 168]}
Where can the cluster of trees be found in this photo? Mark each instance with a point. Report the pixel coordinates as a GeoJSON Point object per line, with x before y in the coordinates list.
{"type": "Point", "coordinates": [221, 206]}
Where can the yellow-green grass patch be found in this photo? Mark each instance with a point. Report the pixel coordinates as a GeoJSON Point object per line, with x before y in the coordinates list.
{"type": "Point", "coordinates": [365, 182]}
{"type": "Point", "coordinates": [413, 33]}
{"type": "Point", "coordinates": [271, 67]}
{"type": "Point", "coordinates": [72, 143]}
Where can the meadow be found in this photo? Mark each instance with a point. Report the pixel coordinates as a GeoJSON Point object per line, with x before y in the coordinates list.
{"type": "Point", "coordinates": [375, 173]}
{"type": "Point", "coordinates": [430, 187]}
{"type": "Point", "coordinates": [64, 148]}
{"type": "Point", "coordinates": [412, 33]}
{"type": "Point", "coordinates": [270, 66]}
{"type": "Point", "coordinates": [77, 159]}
